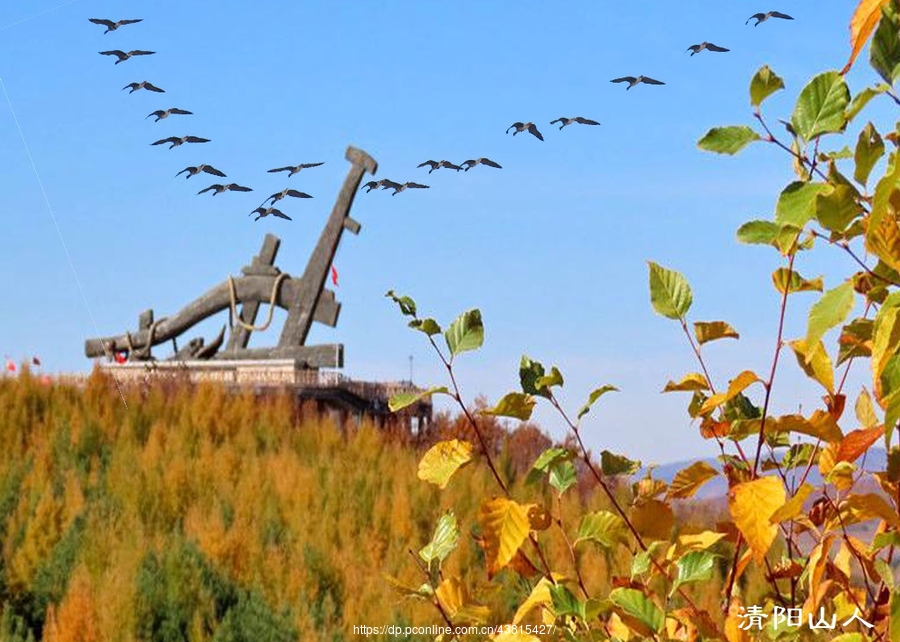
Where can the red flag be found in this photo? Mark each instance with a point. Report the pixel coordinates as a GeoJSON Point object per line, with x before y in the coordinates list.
{"type": "Point", "coordinates": [120, 358]}
{"type": "Point", "coordinates": [35, 361]}
{"type": "Point", "coordinates": [334, 276]}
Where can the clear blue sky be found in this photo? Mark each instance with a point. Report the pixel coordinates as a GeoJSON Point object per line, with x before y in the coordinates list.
{"type": "Point", "coordinates": [552, 247]}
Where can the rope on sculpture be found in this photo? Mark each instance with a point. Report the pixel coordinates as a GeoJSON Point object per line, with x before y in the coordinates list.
{"type": "Point", "coordinates": [233, 313]}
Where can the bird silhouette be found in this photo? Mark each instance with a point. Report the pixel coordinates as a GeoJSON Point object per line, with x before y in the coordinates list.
{"type": "Point", "coordinates": [176, 141]}
{"type": "Point", "coordinates": [160, 113]}
{"type": "Point", "coordinates": [122, 56]}
{"type": "Point", "coordinates": [578, 119]}
{"type": "Point", "coordinates": [705, 45]}
{"type": "Point", "coordinates": [439, 164]}
{"type": "Point", "coordinates": [529, 127]}
{"type": "Point", "coordinates": [397, 187]}
{"type": "Point", "coordinates": [762, 17]}
{"type": "Point", "coordinates": [231, 187]}
{"type": "Point", "coordinates": [265, 211]}
{"type": "Point", "coordinates": [112, 26]}
{"type": "Point", "coordinates": [277, 196]}
{"type": "Point", "coordinates": [293, 169]}
{"type": "Point", "coordinates": [193, 171]}
{"type": "Point", "coordinates": [480, 161]}
{"type": "Point", "coordinates": [373, 185]}
{"type": "Point", "coordinates": [143, 85]}
{"type": "Point", "coordinates": [632, 81]}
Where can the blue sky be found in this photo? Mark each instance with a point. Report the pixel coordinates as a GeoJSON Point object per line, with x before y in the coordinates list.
{"type": "Point", "coordinates": [552, 248]}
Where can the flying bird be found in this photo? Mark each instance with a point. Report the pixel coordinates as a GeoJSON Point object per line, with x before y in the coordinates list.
{"type": "Point", "coordinates": [193, 171]}
{"type": "Point", "coordinates": [277, 196]}
{"type": "Point", "coordinates": [231, 187]}
{"type": "Point", "coordinates": [143, 85]}
{"type": "Point", "coordinates": [122, 56]}
{"type": "Point", "coordinates": [176, 141]}
{"type": "Point", "coordinates": [705, 45]}
{"type": "Point", "coordinates": [35, 361]}
{"type": "Point", "coordinates": [439, 164]}
{"type": "Point", "coordinates": [373, 185]}
{"type": "Point", "coordinates": [265, 211]}
{"type": "Point", "coordinates": [293, 169]}
{"type": "Point", "coordinates": [112, 26]}
{"type": "Point", "coordinates": [165, 113]}
{"type": "Point", "coordinates": [480, 161]}
{"type": "Point", "coordinates": [632, 81]}
{"type": "Point", "coordinates": [762, 17]}
{"type": "Point", "coordinates": [529, 127]}
{"type": "Point", "coordinates": [397, 187]}
{"type": "Point", "coordinates": [578, 119]}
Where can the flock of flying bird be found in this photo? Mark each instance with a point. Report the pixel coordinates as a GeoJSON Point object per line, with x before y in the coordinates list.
{"type": "Point", "coordinates": [384, 184]}
{"type": "Point", "coordinates": [176, 141]}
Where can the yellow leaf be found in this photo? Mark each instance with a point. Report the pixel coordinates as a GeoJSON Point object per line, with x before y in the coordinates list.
{"type": "Point", "coordinates": [653, 519]}
{"type": "Point", "coordinates": [841, 475]}
{"type": "Point", "coordinates": [861, 508]}
{"type": "Point", "coordinates": [506, 526]}
{"type": "Point", "coordinates": [707, 331]}
{"type": "Point", "coordinates": [617, 628]}
{"type": "Point", "coordinates": [452, 595]}
{"type": "Point", "coordinates": [820, 425]}
{"type": "Point", "coordinates": [517, 636]}
{"type": "Point", "coordinates": [689, 480]}
{"type": "Point", "coordinates": [828, 459]}
{"type": "Point", "coordinates": [540, 596]}
{"type": "Point", "coordinates": [734, 624]}
{"type": "Point", "coordinates": [865, 410]}
{"type": "Point", "coordinates": [792, 507]}
{"type": "Point", "coordinates": [690, 383]}
{"type": "Point", "coordinates": [862, 24]}
{"type": "Point", "coordinates": [443, 459]}
{"type": "Point", "coordinates": [815, 362]}
{"type": "Point", "coordinates": [700, 541]}
{"type": "Point", "coordinates": [752, 504]}
{"type": "Point", "coordinates": [737, 386]}
{"type": "Point", "coordinates": [842, 560]}
{"type": "Point", "coordinates": [818, 559]}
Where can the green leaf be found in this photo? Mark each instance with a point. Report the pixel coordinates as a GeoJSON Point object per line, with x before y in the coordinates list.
{"type": "Point", "coordinates": [894, 616]}
{"type": "Point", "coordinates": [563, 476]}
{"type": "Point", "coordinates": [790, 280]}
{"type": "Point", "coordinates": [403, 399]}
{"type": "Point", "coordinates": [829, 311]}
{"type": "Point", "coordinates": [670, 292]}
{"type": "Point", "coordinates": [613, 464]}
{"type": "Point", "coordinates": [530, 372]}
{"type": "Point", "coordinates": [555, 378]}
{"type": "Point", "coordinates": [517, 405]}
{"type": "Point", "coordinates": [640, 607]}
{"type": "Point", "coordinates": [862, 99]}
{"type": "Point", "coordinates": [836, 209]}
{"type": "Point", "coordinates": [855, 340]}
{"type": "Point", "coordinates": [758, 233]}
{"type": "Point", "coordinates": [593, 397]}
{"type": "Point", "coordinates": [428, 326]}
{"type": "Point", "coordinates": [765, 83]}
{"type": "Point", "coordinates": [407, 305]}
{"type": "Point", "coordinates": [557, 462]}
{"type": "Point", "coordinates": [707, 331]}
{"type": "Point", "coordinates": [604, 528]}
{"type": "Point", "coordinates": [565, 603]}
{"type": "Point", "coordinates": [728, 140]}
{"type": "Point", "coordinates": [695, 566]}
{"type": "Point", "coordinates": [444, 540]}
{"type": "Point", "coordinates": [465, 333]}
{"type": "Point", "coordinates": [884, 51]}
{"type": "Point", "coordinates": [821, 106]}
{"type": "Point", "coordinates": [869, 148]}
{"type": "Point", "coordinates": [797, 203]}
{"type": "Point", "coordinates": [551, 457]}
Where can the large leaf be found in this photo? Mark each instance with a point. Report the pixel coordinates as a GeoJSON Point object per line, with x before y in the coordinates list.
{"type": "Point", "coordinates": [516, 405]}
{"type": "Point", "coordinates": [815, 362]}
{"type": "Point", "coordinates": [829, 311]}
{"type": "Point", "coordinates": [707, 331]}
{"type": "Point", "coordinates": [752, 504]}
{"type": "Point", "coordinates": [505, 527]}
{"type": "Point", "coordinates": [640, 607]}
{"type": "Point", "coordinates": [797, 203]}
{"type": "Point", "coordinates": [593, 397]}
{"type": "Point", "coordinates": [444, 540]}
{"type": "Point", "coordinates": [695, 566]}
{"type": "Point", "coordinates": [465, 333]}
{"type": "Point", "coordinates": [869, 148]}
{"type": "Point", "coordinates": [603, 527]}
{"type": "Point", "coordinates": [728, 140]}
{"type": "Point", "coordinates": [670, 292]}
{"type": "Point", "coordinates": [862, 24]}
{"type": "Point", "coordinates": [443, 459]}
{"type": "Point", "coordinates": [884, 54]}
{"type": "Point", "coordinates": [402, 400]}
{"type": "Point", "coordinates": [765, 83]}
{"type": "Point", "coordinates": [857, 442]}
{"type": "Point", "coordinates": [837, 208]}
{"type": "Point", "coordinates": [689, 480]}
{"type": "Point", "coordinates": [820, 106]}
